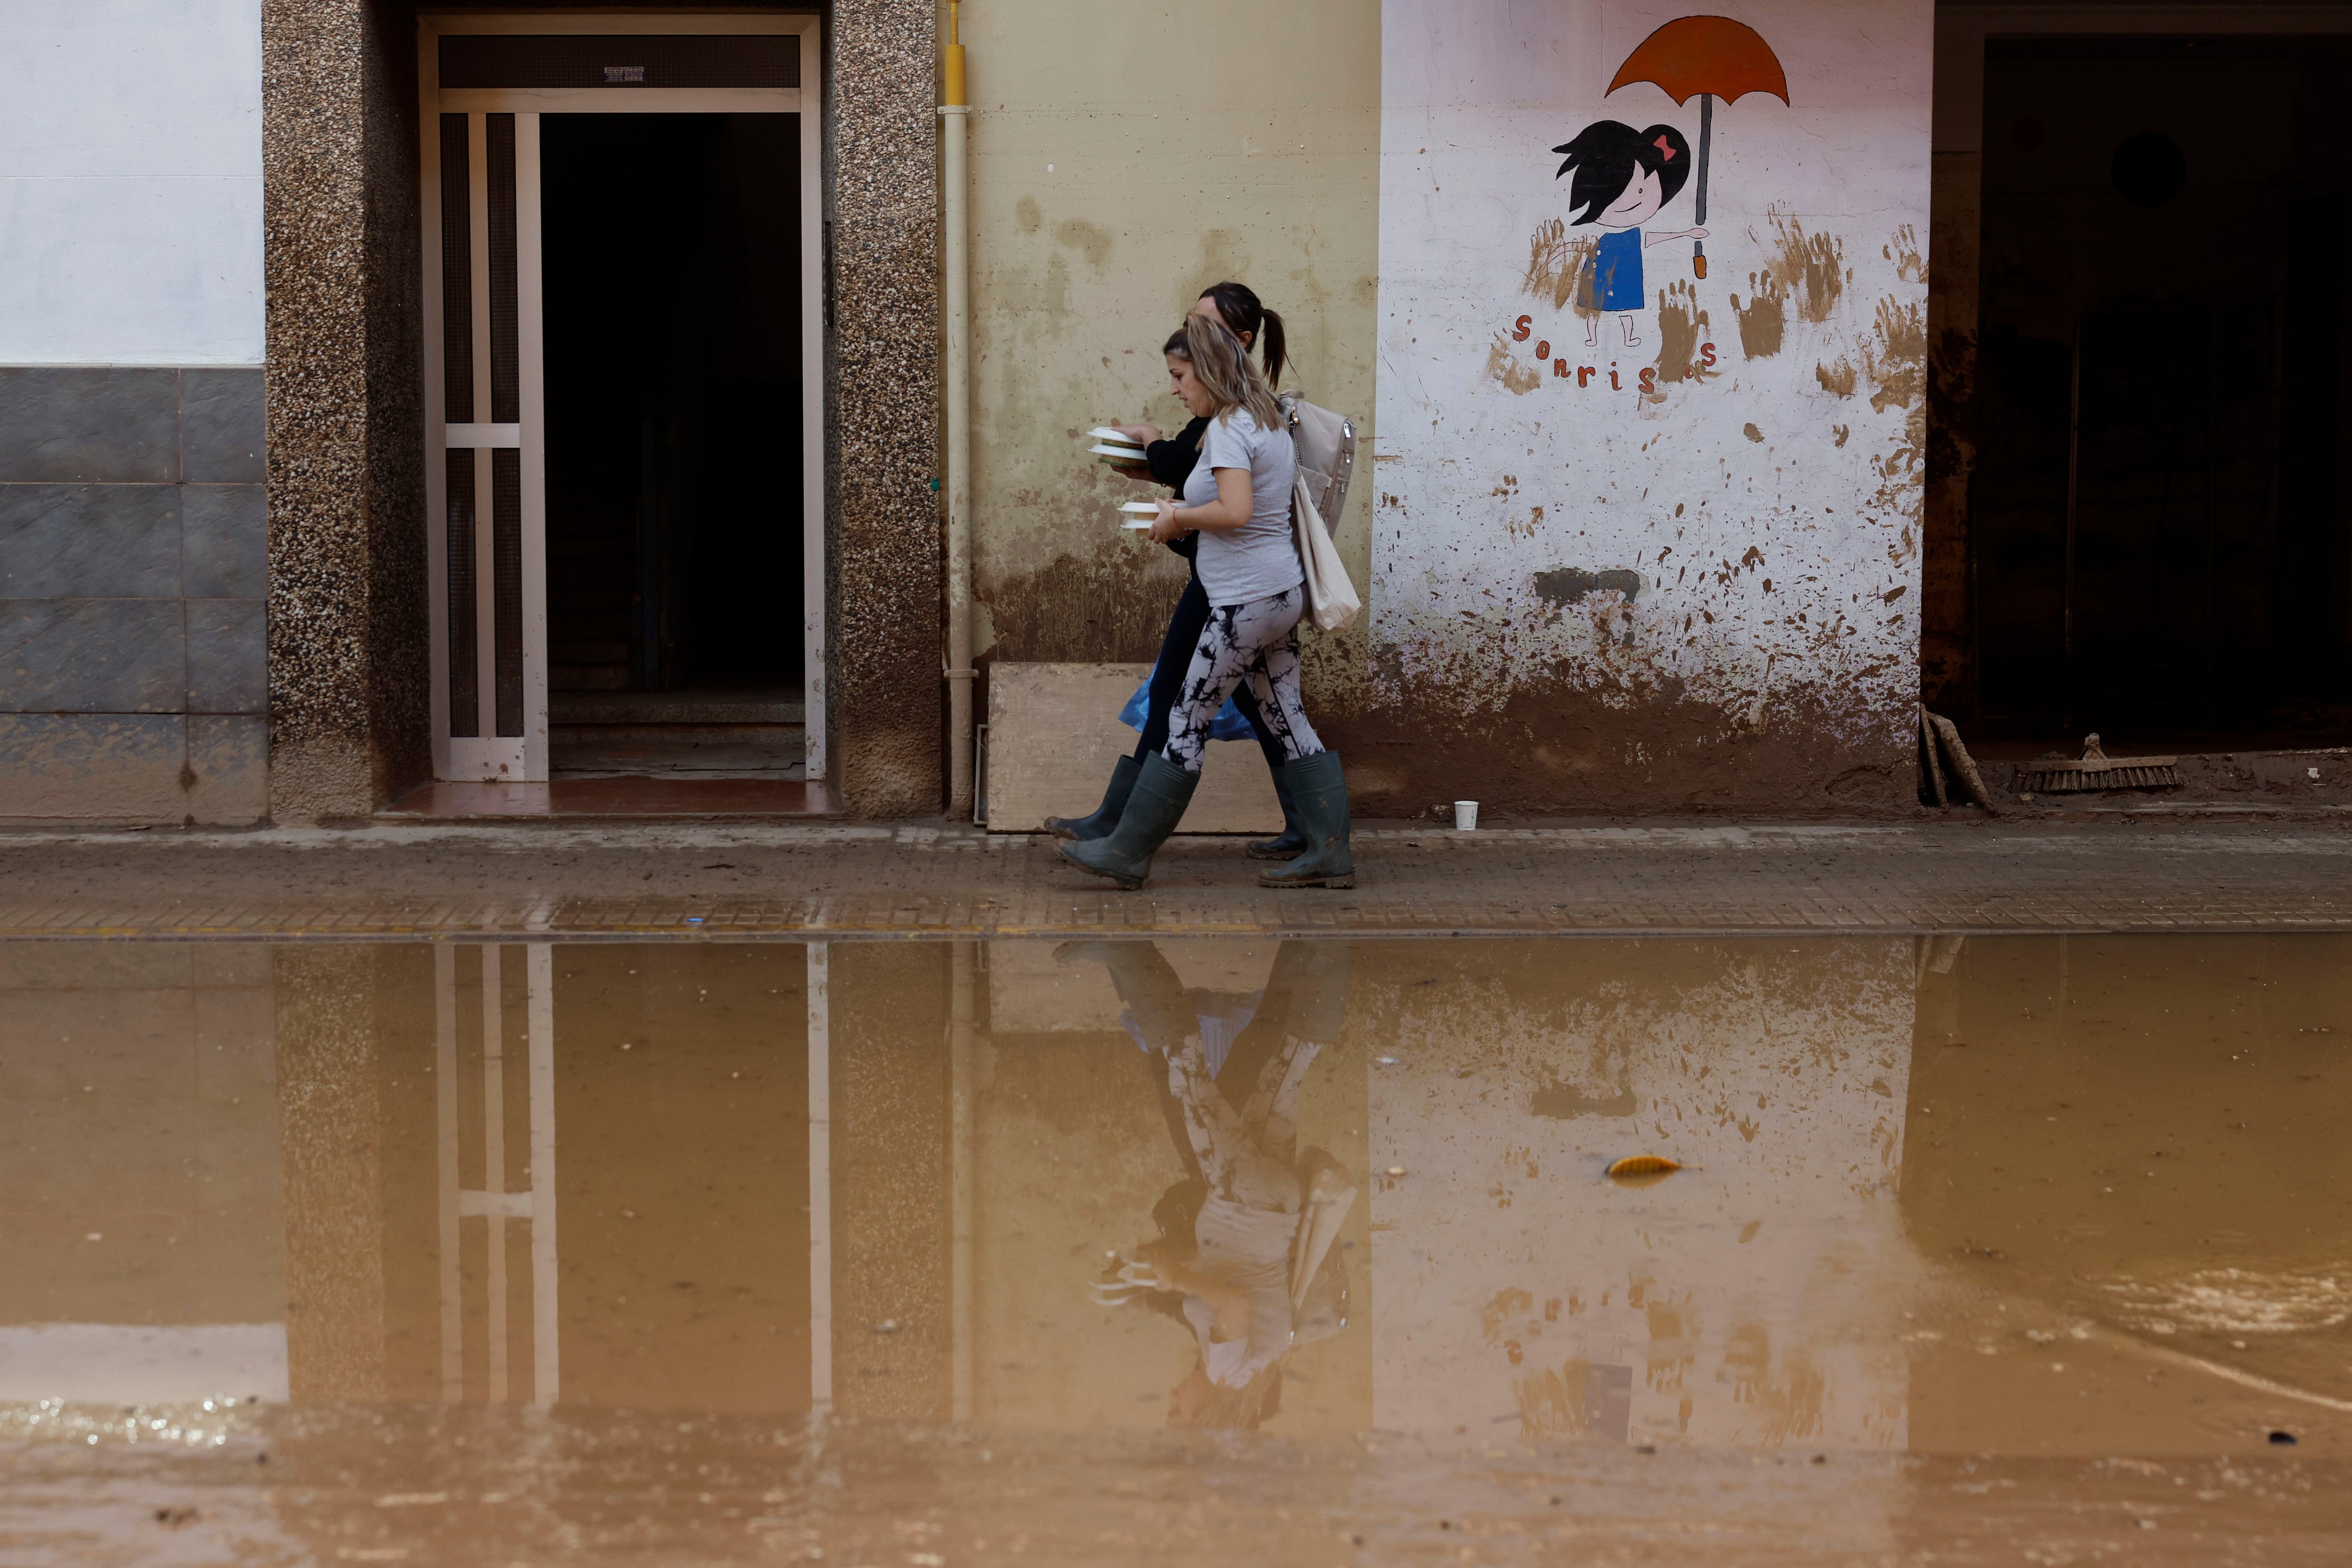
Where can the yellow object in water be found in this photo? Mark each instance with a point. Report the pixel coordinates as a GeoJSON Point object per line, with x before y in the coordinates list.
{"type": "Point", "coordinates": [1643, 1165]}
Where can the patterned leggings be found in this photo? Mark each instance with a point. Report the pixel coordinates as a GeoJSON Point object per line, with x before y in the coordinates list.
{"type": "Point", "coordinates": [1258, 640]}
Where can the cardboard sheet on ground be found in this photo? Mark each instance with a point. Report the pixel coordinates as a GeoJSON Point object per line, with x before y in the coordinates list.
{"type": "Point", "coordinates": [1053, 733]}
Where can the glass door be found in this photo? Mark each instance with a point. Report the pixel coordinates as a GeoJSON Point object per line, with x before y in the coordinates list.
{"type": "Point", "coordinates": [486, 83]}
{"type": "Point", "coordinates": [488, 495]}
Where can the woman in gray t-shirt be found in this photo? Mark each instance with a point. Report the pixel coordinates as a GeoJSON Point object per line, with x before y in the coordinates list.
{"type": "Point", "coordinates": [1259, 559]}
{"type": "Point", "coordinates": [1238, 500]}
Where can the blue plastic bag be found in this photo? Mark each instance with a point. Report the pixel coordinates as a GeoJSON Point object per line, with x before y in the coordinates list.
{"type": "Point", "coordinates": [1229, 724]}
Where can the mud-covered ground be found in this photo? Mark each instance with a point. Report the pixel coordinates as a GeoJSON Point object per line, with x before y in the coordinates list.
{"type": "Point", "coordinates": [463, 1488]}
{"type": "Point", "coordinates": [2170, 871]}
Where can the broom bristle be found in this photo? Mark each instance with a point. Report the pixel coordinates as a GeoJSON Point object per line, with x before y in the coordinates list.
{"type": "Point", "coordinates": [2077, 780]}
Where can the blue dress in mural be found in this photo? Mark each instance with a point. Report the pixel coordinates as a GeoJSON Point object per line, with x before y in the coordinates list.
{"type": "Point", "coordinates": [1617, 270]}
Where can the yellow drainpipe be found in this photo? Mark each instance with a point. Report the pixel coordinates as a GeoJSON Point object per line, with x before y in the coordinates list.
{"type": "Point", "coordinates": [953, 112]}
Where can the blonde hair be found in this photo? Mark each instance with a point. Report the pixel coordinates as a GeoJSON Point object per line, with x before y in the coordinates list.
{"type": "Point", "coordinates": [1223, 368]}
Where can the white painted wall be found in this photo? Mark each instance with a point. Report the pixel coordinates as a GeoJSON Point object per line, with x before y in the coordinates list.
{"type": "Point", "coordinates": [130, 182]}
{"type": "Point", "coordinates": [1493, 469]}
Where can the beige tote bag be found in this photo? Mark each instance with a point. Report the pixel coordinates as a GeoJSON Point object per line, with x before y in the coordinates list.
{"type": "Point", "coordinates": [1325, 443]}
{"type": "Point", "coordinates": [1331, 600]}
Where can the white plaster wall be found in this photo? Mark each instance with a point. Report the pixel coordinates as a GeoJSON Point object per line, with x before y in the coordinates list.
{"type": "Point", "coordinates": [130, 182]}
{"type": "Point", "coordinates": [1801, 466]}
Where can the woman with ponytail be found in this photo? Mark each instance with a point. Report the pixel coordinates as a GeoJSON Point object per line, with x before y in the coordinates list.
{"type": "Point", "coordinates": [1237, 500]}
{"type": "Point", "coordinates": [1237, 309]}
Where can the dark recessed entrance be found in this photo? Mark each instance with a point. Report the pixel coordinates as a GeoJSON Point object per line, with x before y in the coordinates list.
{"type": "Point", "coordinates": [672, 305]}
{"type": "Point", "coordinates": [2160, 523]}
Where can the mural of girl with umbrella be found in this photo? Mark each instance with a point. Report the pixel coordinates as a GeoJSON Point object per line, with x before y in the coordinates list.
{"type": "Point", "coordinates": [1624, 176]}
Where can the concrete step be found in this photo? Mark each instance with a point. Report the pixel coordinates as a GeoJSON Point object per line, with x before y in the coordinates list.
{"type": "Point", "coordinates": [668, 758]}
{"type": "Point", "coordinates": [677, 734]}
{"type": "Point", "coordinates": [687, 707]}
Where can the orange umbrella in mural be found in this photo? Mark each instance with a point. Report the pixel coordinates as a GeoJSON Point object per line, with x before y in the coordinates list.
{"type": "Point", "coordinates": [1708, 57]}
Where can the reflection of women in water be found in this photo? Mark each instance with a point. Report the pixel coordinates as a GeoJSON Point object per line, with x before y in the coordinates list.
{"type": "Point", "coordinates": [1244, 1259]}
{"type": "Point", "coordinates": [1622, 177]}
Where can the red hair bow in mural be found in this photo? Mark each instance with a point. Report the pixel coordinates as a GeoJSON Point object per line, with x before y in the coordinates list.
{"type": "Point", "coordinates": [1706, 58]}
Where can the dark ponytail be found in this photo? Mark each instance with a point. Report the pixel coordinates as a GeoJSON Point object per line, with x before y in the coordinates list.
{"type": "Point", "coordinates": [1241, 311]}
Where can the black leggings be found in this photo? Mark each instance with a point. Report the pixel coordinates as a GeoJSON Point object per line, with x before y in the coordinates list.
{"type": "Point", "coordinates": [1176, 650]}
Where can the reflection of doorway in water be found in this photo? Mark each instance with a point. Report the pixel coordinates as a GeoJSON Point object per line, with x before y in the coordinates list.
{"type": "Point", "coordinates": [674, 512]}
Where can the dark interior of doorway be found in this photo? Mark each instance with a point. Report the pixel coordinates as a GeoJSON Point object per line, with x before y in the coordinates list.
{"type": "Point", "coordinates": [2160, 511]}
{"type": "Point", "coordinates": [672, 313]}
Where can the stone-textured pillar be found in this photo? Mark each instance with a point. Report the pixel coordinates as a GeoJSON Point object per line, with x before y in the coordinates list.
{"type": "Point", "coordinates": [885, 553]}
{"type": "Point", "coordinates": [348, 660]}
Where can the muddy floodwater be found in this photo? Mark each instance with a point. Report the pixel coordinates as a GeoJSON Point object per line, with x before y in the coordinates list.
{"type": "Point", "coordinates": [937, 1252]}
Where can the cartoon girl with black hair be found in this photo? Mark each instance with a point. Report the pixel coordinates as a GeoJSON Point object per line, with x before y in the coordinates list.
{"type": "Point", "coordinates": [1622, 177]}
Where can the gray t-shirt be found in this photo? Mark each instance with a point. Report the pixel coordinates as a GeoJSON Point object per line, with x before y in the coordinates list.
{"type": "Point", "coordinates": [1259, 559]}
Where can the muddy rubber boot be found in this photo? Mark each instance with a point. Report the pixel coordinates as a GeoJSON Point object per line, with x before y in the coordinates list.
{"type": "Point", "coordinates": [1293, 841]}
{"type": "Point", "coordinates": [1320, 788]}
{"type": "Point", "coordinates": [1156, 805]}
{"type": "Point", "coordinates": [1105, 817]}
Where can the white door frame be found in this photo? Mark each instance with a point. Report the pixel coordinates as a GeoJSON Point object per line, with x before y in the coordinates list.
{"type": "Point", "coordinates": [524, 759]}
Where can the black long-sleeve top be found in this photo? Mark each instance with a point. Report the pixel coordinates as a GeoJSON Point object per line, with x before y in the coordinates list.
{"type": "Point", "coordinates": [1171, 462]}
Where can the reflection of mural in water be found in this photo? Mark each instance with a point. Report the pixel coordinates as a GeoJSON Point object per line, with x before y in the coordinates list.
{"type": "Point", "coordinates": [1244, 1259]}
{"type": "Point", "coordinates": [1737, 1301]}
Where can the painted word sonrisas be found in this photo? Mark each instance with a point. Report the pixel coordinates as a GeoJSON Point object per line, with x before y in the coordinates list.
{"type": "Point", "coordinates": [1523, 329]}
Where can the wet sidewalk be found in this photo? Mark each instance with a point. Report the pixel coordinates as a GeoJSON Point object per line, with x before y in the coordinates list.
{"type": "Point", "coordinates": [846, 879]}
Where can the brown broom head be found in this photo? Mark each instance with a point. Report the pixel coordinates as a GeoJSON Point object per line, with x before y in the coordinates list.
{"type": "Point", "coordinates": [2097, 770]}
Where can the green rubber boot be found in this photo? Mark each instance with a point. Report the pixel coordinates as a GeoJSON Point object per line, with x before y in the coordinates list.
{"type": "Point", "coordinates": [1320, 788]}
{"type": "Point", "coordinates": [1105, 817]}
{"type": "Point", "coordinates": [1157, 804]}
{"type": "Point", "coordinates": [1293, 841]}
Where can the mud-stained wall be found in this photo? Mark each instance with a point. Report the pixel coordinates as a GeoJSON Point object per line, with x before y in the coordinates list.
{"type": "Point", "coordinates": [1121, 164]}
{"type": "Point", "coordinates": [1647, 534]}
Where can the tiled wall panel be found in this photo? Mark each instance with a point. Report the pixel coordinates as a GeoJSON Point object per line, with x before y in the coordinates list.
{"type": "Point", "coordinates": [134, 583]}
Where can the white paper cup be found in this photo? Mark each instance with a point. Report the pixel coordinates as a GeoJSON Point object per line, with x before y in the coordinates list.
{"type": "Point", "coordinates": [1465, 815]}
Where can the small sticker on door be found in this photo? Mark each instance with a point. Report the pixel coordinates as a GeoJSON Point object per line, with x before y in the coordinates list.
{"type": "Point", "coordinates": [615, 75]}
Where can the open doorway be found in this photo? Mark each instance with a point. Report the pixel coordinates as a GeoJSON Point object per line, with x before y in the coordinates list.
{"type": "Point", "coordinates": [2160, 516]}
{"type": "Point", "coordinates": [675, 547]}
